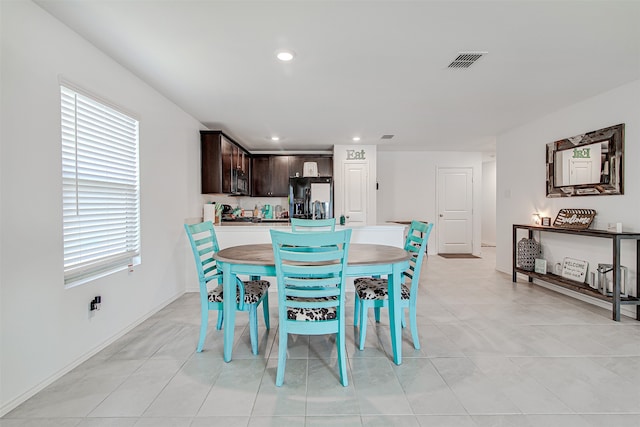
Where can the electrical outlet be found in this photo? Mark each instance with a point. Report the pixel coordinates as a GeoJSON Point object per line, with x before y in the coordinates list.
{"type": "Point", "coordinates": [95, 303]}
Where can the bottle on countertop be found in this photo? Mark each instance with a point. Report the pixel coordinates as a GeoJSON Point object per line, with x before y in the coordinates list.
{"type": "Point", "coordinates": [256, 212]}
{"type": "Point", "coordinates": [342, 220]}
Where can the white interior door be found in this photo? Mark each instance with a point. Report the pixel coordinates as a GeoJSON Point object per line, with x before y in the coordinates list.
{"type": "Point", "coordinates": [455, 206]}
{"type": "Point", "coordinates": [583, 172]}
{"type": "Point", "coordinates": [356, 193]}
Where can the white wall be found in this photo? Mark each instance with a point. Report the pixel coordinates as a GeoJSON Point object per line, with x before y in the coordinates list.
{"type": "Point", "coordinates": [408, 187]}
{"type": "Point", "coordinates": [521, 178]}
{"type": "Point", "coordinates": [489, 203]}
{"type": "Point", "coordinates": [46, 329]}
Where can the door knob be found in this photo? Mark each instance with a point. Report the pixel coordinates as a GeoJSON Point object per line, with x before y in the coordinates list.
{"type": "Point", "coordinates": [441, 215]}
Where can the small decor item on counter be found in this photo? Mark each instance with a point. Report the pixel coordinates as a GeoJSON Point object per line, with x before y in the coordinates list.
{"type": "Point", "coordinates": [614, 227]}
{"type": "Point", "coordinates": [342, 220]}
{"type": "Point", "coordinates": [605, 282]}
{"type": "Point", "coordinates": [219, 209]}
{"type": "Point", "coordinates": [557, 269]}
{"type": "Point", "coordinates": [209, 212]}
{"type": "Point", "coordinates": [212, 212]}
{"type": "Point", "coordinates": [540, 266]}
{"type": "Point", "coordinates": [574, 218]}
{"type": "Point", "coordinates": [593, 281]}
{"type": "Point", "coordinates": [528, 251]}
{"type": "Point", "coordinates": [546, 221]}
{"type": "Point", "coordinates": [536, 219]}
{"type": "Point", "coordinates": [575, 269]}
{"type": "Point", "coordinates": [267, 212]}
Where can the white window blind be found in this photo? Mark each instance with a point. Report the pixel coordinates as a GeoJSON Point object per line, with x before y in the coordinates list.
{"type": "Point", "coordinates": [100, 188]}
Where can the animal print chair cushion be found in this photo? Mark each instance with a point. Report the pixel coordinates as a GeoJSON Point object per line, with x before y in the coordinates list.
{"type": "Point", "coordinates": [253, 291]}
{"type": "Point", "coordinates": [370, 288]}
{"type": "Point", "coordinates": [311, 314]}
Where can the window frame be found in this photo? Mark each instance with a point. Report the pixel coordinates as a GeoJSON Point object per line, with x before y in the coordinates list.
{"type": "Point", "coordinates": [100, 187]}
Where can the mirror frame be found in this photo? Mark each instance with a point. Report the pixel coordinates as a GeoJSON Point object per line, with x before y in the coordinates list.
{"type": "Point", "coordinates": [615, 136]}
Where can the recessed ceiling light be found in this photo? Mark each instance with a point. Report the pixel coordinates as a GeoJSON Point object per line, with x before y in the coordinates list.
{"type": "Point", "coordinates": [285, 55]}
{"type": "Point", "coordinates": [356, 138]}
{"type": "Point", "coordinates": [275, 138]}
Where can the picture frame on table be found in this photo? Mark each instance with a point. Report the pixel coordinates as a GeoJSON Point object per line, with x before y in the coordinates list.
{"type": "Point", "coordinates": [546, 221]}
{"type": "Point", "coordinates": [540, 266]}
{"type": "Point", "coordinates": [574, 269]}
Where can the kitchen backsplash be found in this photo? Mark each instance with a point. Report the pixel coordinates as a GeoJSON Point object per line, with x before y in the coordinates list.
{"type": "Point", "coordinates": [245, 202]}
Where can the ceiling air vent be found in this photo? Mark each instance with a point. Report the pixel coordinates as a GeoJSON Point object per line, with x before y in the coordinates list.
{"type": "Point", "coordinates": [387, 136]}
{"type": "Point", "coordinates": [466, 59]}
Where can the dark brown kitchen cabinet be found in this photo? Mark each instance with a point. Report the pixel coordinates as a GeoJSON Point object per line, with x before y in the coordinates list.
{"type": "Point", "coordinates": [325, 164]}
{"type": "Point", "coordinates": [269, 176]}
{"type": "Point", "coordinates": [222, 162]}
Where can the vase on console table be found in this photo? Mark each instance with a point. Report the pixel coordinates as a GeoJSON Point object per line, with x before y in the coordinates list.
{"type": "Point", "coordinates": [528, 251]}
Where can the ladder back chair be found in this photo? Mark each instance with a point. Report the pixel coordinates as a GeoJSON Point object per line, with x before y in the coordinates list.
{"type": "Point", "coordinates": [311, 272]}
{"type": "Point", "coordinates": [249, 295]}
{"type": "Point", "coordinates": [372, 292]}
{"type": "Point", "coordinates": [303, 225]}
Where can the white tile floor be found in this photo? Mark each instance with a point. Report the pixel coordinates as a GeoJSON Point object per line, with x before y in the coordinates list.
{"type": "Point", "coordinates": [493, 354]}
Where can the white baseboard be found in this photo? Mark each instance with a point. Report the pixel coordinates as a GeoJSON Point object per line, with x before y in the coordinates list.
{"type": "Point", "coordinates": [626, 310]}
{"type": "Point", "coordinates": [14, 403]}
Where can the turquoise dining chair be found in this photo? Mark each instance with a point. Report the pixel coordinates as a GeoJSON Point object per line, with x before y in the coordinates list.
{"type": "Point", "coordinates": [311, 272]}
{"type": "Point", "coordinates": [304, 225]}
{"type": "Point", "coordinates": [249, 295]}
{"type": "Point", "coordinates": [372, 292]}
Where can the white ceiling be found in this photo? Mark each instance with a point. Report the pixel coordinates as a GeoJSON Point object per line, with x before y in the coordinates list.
{"type": "Point", "coordinates": [366, 68]}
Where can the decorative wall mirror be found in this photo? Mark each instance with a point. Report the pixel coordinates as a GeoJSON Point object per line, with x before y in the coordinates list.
{"type": "Point", "coordinates": [588, 164]}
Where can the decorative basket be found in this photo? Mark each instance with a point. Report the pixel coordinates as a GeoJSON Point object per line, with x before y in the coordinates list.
{"type": "Point", "coordinates": [528, 251]}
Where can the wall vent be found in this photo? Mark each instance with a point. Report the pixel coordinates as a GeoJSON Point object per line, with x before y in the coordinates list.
{"type": "Point", "coordinates": [387, 136]}
{"type": "Point", "coordinates": [466, 59]}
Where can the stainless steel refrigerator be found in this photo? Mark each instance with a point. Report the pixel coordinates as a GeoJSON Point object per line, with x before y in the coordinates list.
{"type": "Point", "coordinates": [311, 197]}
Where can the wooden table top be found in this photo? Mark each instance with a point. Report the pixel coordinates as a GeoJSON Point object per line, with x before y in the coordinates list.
{"type": "Point", "coordinates": [359, 254]}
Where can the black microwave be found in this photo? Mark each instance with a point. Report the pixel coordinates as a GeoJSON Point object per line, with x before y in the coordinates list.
{"type": "Point", "coordinates": [239, 182]}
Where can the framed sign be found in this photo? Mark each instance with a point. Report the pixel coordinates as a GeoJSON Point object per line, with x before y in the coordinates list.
{"type": "Point", "coordinates": [541, 266]}
{"type": "Point", "coordinates": [574, 269]}
{"type": "Point", "coordinates": [574, 218]}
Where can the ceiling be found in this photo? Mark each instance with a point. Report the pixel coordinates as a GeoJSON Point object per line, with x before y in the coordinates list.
{"type": "Point", "coordinates": [366, 68]}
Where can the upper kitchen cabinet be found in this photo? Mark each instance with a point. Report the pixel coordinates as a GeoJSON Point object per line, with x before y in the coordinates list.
{"type": "Point", "coordinates": [224, 164]}
{"type": "Point", "coordinates": [325, 164]}
{"type": "Point", "coordinates": [270, 176]}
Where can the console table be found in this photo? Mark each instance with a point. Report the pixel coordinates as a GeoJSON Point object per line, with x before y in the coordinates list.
{"type": "Point", "coordinates": [616, 299]}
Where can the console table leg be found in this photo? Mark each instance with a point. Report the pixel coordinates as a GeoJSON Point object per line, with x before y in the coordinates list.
{"type": "Point", "coordinates": [616, 279]}
{"type": "Point", "coordinates": [513, 253]}
{"type": "Point", "coordinates": [637, 277]}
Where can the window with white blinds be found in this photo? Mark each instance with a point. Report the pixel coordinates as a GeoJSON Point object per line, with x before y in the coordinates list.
{"type": "Point", "coordinates": [100, 188]}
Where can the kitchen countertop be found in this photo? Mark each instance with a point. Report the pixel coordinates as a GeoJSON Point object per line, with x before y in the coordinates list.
{"type": "Point", "coordinates": [255, 220]}
{"type": "Point", "coordinates": [242, 233]}
{"type": "Point", "coordinates": [406, 222]}
{"type": "Point", "coordinates": [241, 224]}
{"type": "Point", "coordinates": [268, 223]}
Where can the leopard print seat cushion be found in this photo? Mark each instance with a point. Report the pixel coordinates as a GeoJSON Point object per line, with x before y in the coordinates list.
{"type": "Point", "coordinates": [371, 289]}
{"type": "Point", "coordinates": [253, 291]}
{"type": "Point", "coordinates": [311, 314]}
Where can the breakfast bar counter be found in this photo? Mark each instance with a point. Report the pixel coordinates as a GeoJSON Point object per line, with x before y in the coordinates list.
{"type": "Point", "coordinates": [243, 233]}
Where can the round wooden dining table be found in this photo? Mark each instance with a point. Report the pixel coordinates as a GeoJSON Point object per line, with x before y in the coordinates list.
{"type": "Point", "coordinates": [364, 259]}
